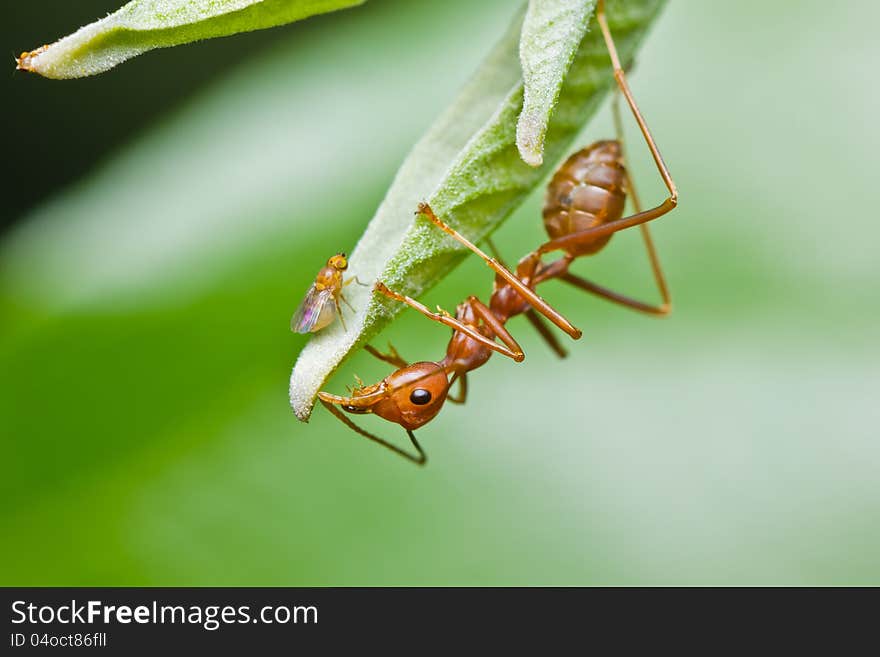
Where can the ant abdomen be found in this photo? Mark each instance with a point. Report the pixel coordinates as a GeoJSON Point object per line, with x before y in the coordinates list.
{"type": "Point", "coordinates": [586, 191]}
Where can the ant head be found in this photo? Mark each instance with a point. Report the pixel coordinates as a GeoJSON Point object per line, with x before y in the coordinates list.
{"type": "Point", "coordinates": [411, 397]}
{"type": "Point", "coordinates": [339, 262]}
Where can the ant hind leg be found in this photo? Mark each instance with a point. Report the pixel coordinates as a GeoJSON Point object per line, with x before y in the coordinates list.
{"type": "Point", "coordinates": [588, 286]}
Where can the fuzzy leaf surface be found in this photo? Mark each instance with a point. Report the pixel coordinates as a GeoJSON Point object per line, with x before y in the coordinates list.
{"type": "Point", "coordinates": [143, 25]}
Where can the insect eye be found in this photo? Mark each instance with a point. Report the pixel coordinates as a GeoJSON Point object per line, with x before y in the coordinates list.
{"type": "Point", "coordinates": [420, 396]}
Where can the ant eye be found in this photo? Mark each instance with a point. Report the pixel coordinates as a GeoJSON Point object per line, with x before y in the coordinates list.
{"type": "Point", "coordinates": [420, 396]}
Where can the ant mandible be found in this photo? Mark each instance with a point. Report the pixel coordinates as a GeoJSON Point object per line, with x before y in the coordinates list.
{"type": "Point", "coordinates": [582, 210]}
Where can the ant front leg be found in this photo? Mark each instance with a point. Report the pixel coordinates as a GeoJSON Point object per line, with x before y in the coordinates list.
{"type": "Point", "coordinates": [446, 319]}
{"type": "Point", "coordinates": [420, 458]}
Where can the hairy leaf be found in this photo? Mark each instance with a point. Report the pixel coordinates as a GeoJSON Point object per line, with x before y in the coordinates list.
{"type": "Point", "coordinates": [551, 33]}
{"type": "Point", "coordinates": [468, 168]}
{"type": "Point", "coordinates": [143, 25]}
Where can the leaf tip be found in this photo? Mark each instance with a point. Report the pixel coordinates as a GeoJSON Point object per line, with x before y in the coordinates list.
{"type": "Point", "coordinates": [25, 61]}
{"type": "Point", "coordinates": [530, 131]}
{"type": "Point", "coordinates": [302, 405]}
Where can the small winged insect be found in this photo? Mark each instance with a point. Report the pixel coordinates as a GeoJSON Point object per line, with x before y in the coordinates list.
{"type": "Point", "coordinates": [321, 304]}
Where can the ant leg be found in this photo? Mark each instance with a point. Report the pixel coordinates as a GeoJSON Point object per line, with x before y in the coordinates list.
{"type": "Point", "coordinates": [462, 389]}
{"type": "Point", "coordinates": [421, 459]}
{"type": "Point", "coordinates": [531, 314]}
{"type": "Point", "coordinates": [495, 253]}
{"type": "Point", "coordinates": [392, 357]}
{"type": "Point", "coordinates": [610, 295]}
{"type": "Point", "coordinates": [524, 290]}
{"type": "Point", "coordinates": [485, 313]}
{"type": "Point", "coordinates": [639, 217]}
{"type": "Point", "coordinates": [446, 319]}
{"type": "Point", "coordinates": [545, 332]}
{"type": "Point", "coordinates": [558, 269]}
{"type": "Point", "coordinates": [659, 278]}
{"type": "Point", "coordinates": [620, 76]}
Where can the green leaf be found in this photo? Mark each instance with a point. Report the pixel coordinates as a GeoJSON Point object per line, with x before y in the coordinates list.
{"type": "Point", "coordinates": [468, 168]}
{"type": "Point", "coordinates": [143, 25]}
{"type": "Point", "coordinates": [551, 33]}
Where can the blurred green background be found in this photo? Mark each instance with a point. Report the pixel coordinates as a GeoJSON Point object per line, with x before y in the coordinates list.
{"type": "Point", "coordinates": [144, 348]}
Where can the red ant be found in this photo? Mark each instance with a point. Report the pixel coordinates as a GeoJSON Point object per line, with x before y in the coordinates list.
{"type": "Point", "coordinates": [582, 210]}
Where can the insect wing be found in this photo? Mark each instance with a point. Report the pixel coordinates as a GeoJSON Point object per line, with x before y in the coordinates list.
{"type": "Point", "coordinates": [311, 309]}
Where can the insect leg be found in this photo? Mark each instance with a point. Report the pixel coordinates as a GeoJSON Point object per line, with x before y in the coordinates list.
{"type": "Point", "coordinates": [485, 313]}
{"type": "Point", "coordinates": [354, 279]}
{"type": "Point", "coordinates": [391, 357]}
{"type": "Point", "coordinates": [524, 291]}
{"type": "Point", "coordinates": [421, 459]}
{"type": "Point", "coordinates": [448, 320]}
{"type": "Point", "coordinates": [545, 332]}
{"type": "Point", "coordinates": [638, 218]}
{"type": "Point", "coordinates": [610, 295]}
{"type": "Point", "coordinates": [531, 314]}
{"type": "Point", "coordinates": [588, 286]}
{"type": "Point", "coordinates": [342, 296]}
{"type": "Point", "coordinates": [659, 278]}
{"type": "Point", "coordinates": [462, 389]}
{"type": "Point", "coordinates": [339, 313]}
